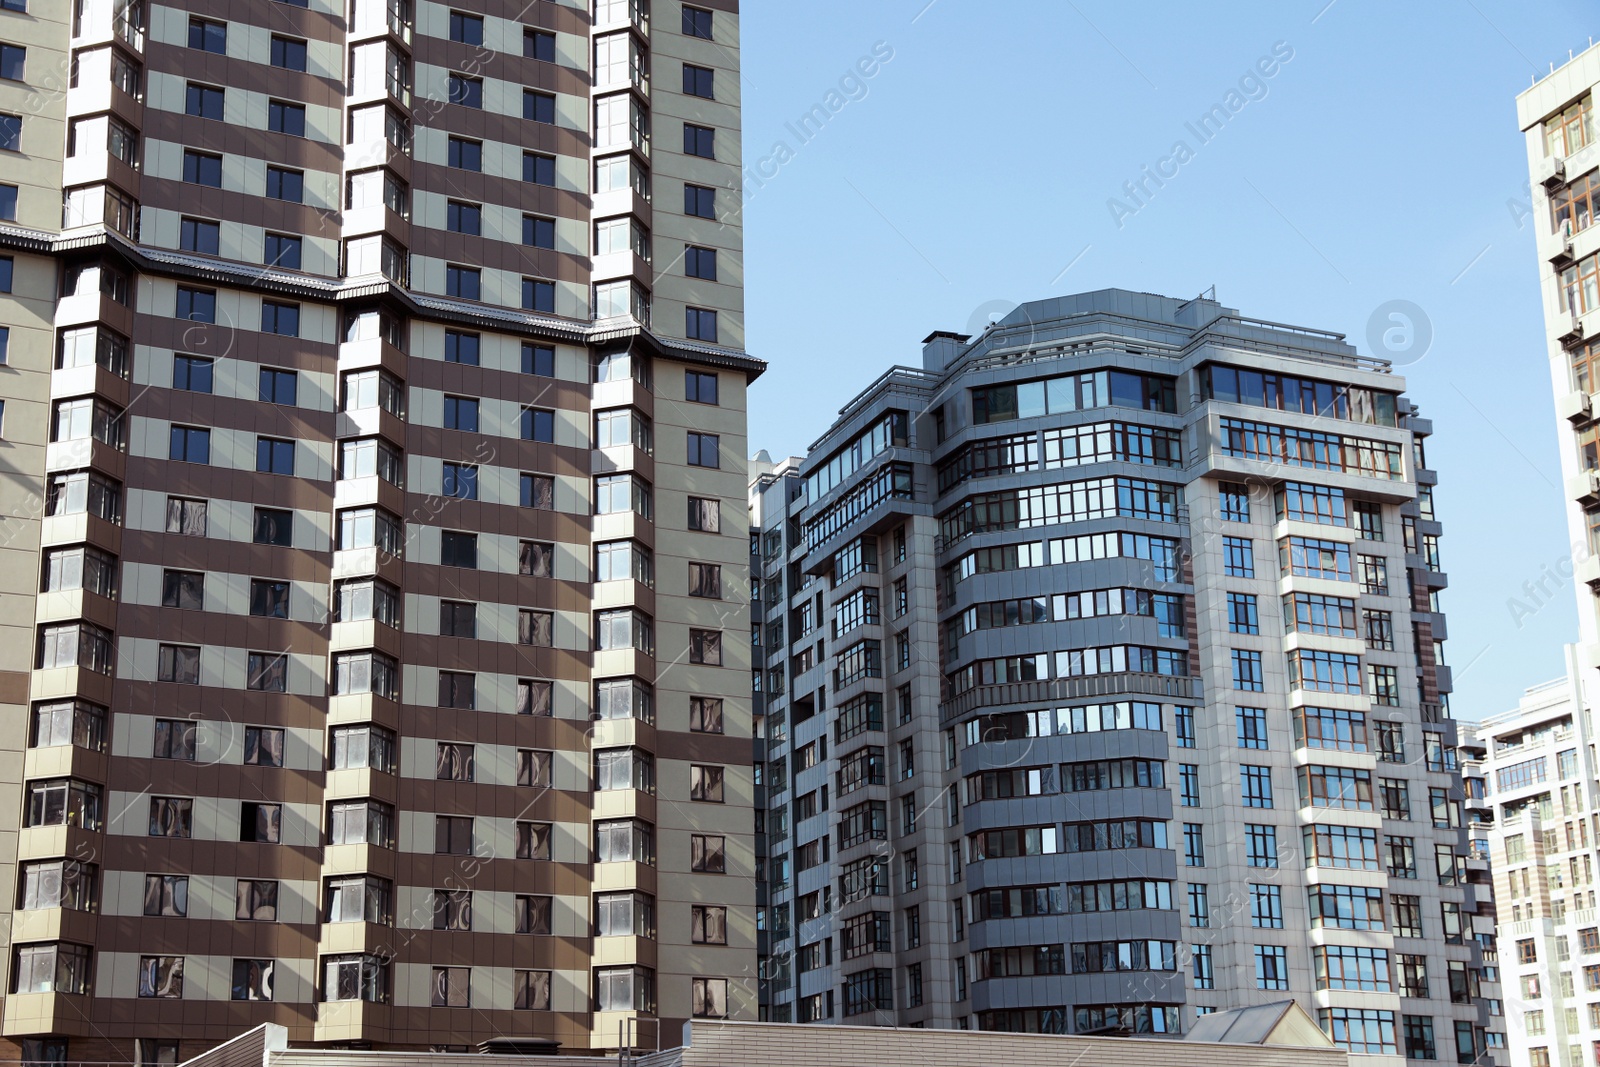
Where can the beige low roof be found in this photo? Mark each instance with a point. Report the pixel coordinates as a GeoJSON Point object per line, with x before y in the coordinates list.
{"type": "Point", "coordinates": [1283, 1022]}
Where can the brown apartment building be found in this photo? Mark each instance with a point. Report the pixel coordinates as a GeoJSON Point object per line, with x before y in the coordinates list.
{"type": "Point", "coordinates": [372, 509]}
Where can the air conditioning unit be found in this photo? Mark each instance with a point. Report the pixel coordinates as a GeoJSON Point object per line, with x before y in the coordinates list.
{"type": "Point", "coordinates": [1585, 488]}
{"type": "Point", "coordinates": [1575, 407]}
{"type": "Point", "coordinates": [1587, 571]}
{"type": "Point", "coordinates": [1551, 171]}
{"type": "Point", "coordinates": [1573, 333]}
{"type": "Point", "coordinates": [1563, 256]}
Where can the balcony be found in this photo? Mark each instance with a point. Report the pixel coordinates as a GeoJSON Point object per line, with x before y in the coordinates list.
{"type": "Point", "coordinates": [1087, 687]}
{"type": "Point", "coordinates": [47, 1013]}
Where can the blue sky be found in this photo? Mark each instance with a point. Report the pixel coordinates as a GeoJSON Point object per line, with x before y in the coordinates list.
{"type": "Point", "coordinates": [970, 169]}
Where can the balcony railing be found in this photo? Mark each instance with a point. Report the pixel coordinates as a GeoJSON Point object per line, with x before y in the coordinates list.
{"type": "Point", "coordinates": [1088, 687]}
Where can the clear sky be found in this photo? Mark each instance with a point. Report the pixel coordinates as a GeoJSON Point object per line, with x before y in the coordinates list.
{"type": "Point", "coordinates": [971, 170]}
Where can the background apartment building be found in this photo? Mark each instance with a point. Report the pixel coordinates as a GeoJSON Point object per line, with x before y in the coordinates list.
{"type": "Point", "coordinates": [373, 433]}
{"type": "Point", "coordinates": [1101, 659]}
{"type": "Point", "coordinates": [1537, 779]}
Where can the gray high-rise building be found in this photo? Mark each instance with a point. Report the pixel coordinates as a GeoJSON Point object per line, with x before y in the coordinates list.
{"type": "Point", "coordinates": [1103, 688]}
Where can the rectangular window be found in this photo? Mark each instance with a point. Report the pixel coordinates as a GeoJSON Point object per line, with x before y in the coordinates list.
{"type": "Point", "coordinates": [195, 305]}
{"type": "Point", "coordinates": [538, 107]}
{"type": "Point", "coordinates": [1199, 905]}
{"type": "Point", "coordinates": [537, 424]}
{"type": "Point", "coordinates": [537, 168]}
{"type": "Point", "coordinates": [705, 514]}
{"type": "Point", "coordinates": [1255, 785]}
{"type": "Point", "coordinates": [1247, 674]}
{"type": "Point", "coordinates": [462, 217]}
{"type": "Point", "coordinates": [707, 854]}
{"type": "Point", "coordinates": [1385, 683]}
{"type": "Point", "coordinates": [466, 29]}
{"type": "Point", "coordinates": [288, 53]}
{"type": "Point", "coordinates": [1266, 906]}
{"type": "Point", "coordinates": [171, 817]}
{"type": "Point", "coordinates": [278, 386]}
{"type": "Point", "coordinates": [203, 101]}
{"type": "Point", "coordinates": [1202, 974]}
{"type": "Point", "coordinates": [457, 690]}
{"type": "Point", "coordinates": [458, 549]}
{"type": "Point", "coordinates": [533, 913]}
{"type": "Point", "coordinates": [452, 835]}
{"type": "Point", "coordinates": [1251, 726]}
{"type": "Point", "coordinates": [699, 201]}
{"type": "Point", "coordinates": [1194, 846]}
{"type": "Point", "coordinates": [1351, 967]}
{"type": "Point", "coordinates": [531, 990]}
{"type": "Point", "coordinates": [161, 976]}
{"type": "Point", "coordinates": [705, 783]}
{"type": "Point", "coordinates": [465, 91]}
{"type": "Point", "coordinates": [208, 36]}
{"type": "Point", "coordinates": [1183, 726]}
{"type": "Point", "coordinates": [700, 324]}
{"type": "Point", "coordinates": [175, 739]}
{"type": "Point", "coordinates": [536, 628]}
{"type": "Point", "coordinates": [1319, 504]}
{"type": "Point", "coordinates": [178, 663]}
{"type": "Point", "coordinates": [189, 444]}
{"type": "Point", "coordinates": [540, 45]}
{"type": "Point", "coordinates": [538, 359]}
{"type": "Point", "coordinates": [451, 987]}
{"type": "Point", "coordinates": [705, 646]}
{"type": "Point", "coordinates": [1235, 501]}
{"type": "Point", "coordinates": [260, 822]}
{"type": "Point", "coordinates": [704, 450]}
{"type": "Point", "coordinates": [1272, 967]}
{"type": "Point", "coordinates": [199, 235]}
{"type": "Point", "coordinates": [698, 81]}
{"type": "Point", "coordinates": [705, 580]}
{"type": "Point", "coordinates": [166, 894]}
{"type": "Point", "coordinates": [1189, 785]}
{"type": "Point", "coordinates": [267, 672]}
{"type": "Point", "coordinates": [455, 762]}
{"type": "Point", "coordinates": [1242, 615]}
{"type": "Point", "coordinates": [70, 722]}
{"type": "Point", "coordinates": [274, 456]}
{"type": "Point", "coordinates": [1238, 557]}
{"type": "Point", "coordinates": [1325, 672]}
{"type": "Point", "coordinates": [463, 283]}
{"type": "Point", "coordinates": [1372, 573]}
{"type": "Point", "coordinates": [538, 232]}
{"type": "Point", "coordinates": [1261, 845]}
{"type": "Point", "coordinates": [697, 22]}
{"type": "Point", "coordinates": [461, 413]}
{"type": "Point", "coordinates": [700, 262]}
{"type": "Point", "coordinates": [699, 141]}
{"type": "Point", "coordinates": [1369, 520]}
{"type": "Point", "coordinates": [1346, 907]}
{"type": "Point", "coordinates": [284, 117]}
{"type": "Point", "coordinates": [263, 746]}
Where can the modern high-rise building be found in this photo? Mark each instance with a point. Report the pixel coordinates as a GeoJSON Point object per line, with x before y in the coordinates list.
{"type": "Point", "coordinates": [1102, 687]}
{"type": "Point", "coordinates": [373, 518]}
{"type": "Point", "coordinates": [1539, 762]}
